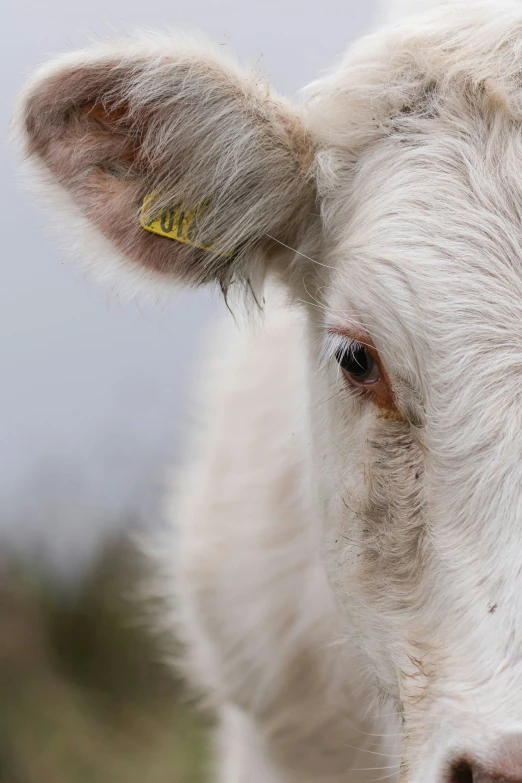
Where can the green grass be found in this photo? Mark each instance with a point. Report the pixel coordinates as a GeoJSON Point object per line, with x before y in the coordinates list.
{"type": "Point", "coordinates": [83, 695]}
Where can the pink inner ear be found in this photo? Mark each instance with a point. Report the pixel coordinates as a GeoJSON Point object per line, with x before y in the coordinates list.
{"type": "Point", "coordinates": [113, 116]}
{"type": "Point", "coordinates": [103, 113]}
{"type": "Point", "coordinates": [81, 145]}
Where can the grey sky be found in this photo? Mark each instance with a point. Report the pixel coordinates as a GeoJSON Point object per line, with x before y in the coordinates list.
{"type": "Point", "coordinates": [93, 391]}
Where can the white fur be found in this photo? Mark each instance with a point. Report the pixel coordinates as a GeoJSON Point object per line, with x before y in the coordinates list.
{"type": "Point", "coordinates": [348, 583]}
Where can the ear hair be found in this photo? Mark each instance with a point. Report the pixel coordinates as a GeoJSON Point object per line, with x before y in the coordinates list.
{"type": "Point", "coordinates": [178, 120]}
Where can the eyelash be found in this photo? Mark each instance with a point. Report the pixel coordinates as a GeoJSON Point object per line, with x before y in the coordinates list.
{"type": "Point", "coordinates": [337, 343]}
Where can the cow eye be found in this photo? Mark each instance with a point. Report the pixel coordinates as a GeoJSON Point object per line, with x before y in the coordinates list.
{"type": "Point", "coordinates": [358, 365]}
{"type": "Point", "coordinates": [362, 369]}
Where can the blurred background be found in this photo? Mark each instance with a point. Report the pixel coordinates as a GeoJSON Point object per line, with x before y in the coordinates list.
{"type": "Point", "coordinates": [94, 410]}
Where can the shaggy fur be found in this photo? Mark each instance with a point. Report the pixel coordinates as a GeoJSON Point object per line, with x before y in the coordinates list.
{"type": "Point", "coordinates": [346, 578]}
{"type": "Point", "coordinates": [179, 120]}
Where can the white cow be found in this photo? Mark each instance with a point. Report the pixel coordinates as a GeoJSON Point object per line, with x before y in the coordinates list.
{"type": "Point", "coordinates": [347, 567]}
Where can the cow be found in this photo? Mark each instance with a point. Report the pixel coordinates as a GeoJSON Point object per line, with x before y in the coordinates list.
{"type": "Point", "coordinates": [345, 560]}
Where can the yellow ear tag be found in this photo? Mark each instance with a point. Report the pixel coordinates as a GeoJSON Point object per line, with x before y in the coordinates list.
{"type": "Point", "coordinates": [173, 223]}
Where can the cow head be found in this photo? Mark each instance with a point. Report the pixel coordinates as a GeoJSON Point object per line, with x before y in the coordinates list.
{"type": "Point", "coordinates": [390, 204]}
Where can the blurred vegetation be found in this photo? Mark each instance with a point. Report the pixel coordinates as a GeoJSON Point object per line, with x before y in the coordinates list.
{"type": "Point", "coordinates": [84, 697]}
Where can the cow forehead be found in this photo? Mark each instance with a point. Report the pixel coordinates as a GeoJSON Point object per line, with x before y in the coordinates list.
{"type": "Point", "coordinates": [428, 233]}
{"type": "Point", "coordinates": [420, 174]}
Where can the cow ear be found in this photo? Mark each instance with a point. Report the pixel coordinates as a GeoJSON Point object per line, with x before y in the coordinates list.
{"type": "Point", "coordinates": [188, 166]}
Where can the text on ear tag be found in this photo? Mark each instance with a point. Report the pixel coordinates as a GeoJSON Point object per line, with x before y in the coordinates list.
{"type": "Point", "coordinates": [174, 223]}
